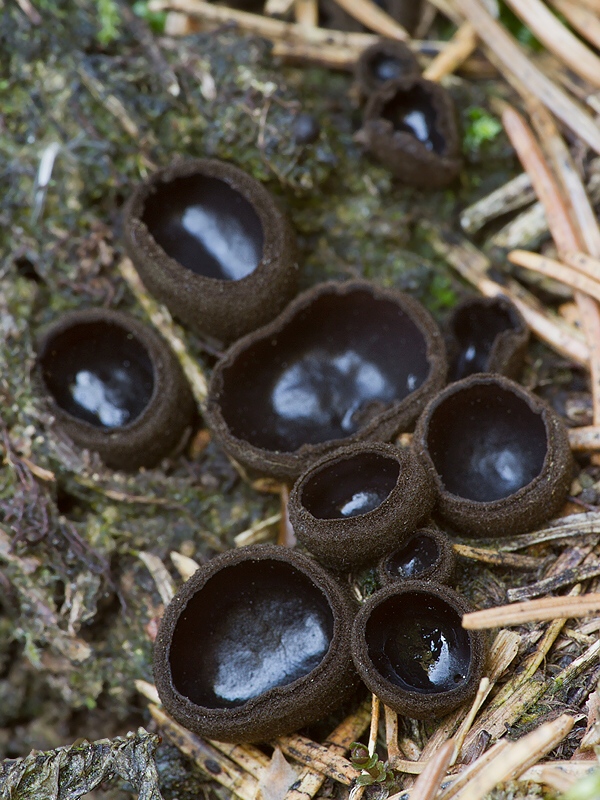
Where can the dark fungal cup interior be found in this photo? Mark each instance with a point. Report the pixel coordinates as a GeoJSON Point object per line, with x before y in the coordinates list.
{"type": "Point", "coordinates": [253, 626]}
{"type": "Point", "coordinates": [99, 373]}
{"type": "Point", "coordinates": [486, 442]}
{"type": "Point", "coordinates": [205, 225]}
{"type": "Point", "coordinates": [412, 111]}
{"type": "Point", "coordinates": [476, 329]}
{"type": "Point", "coordinates": [415, 641]}
{"type": "Point", "coordinates": [419, 554]}
{"type": "Point", "coordinates": [351, 487]}
{"type": "Point", "coordinates": [325, 374]}
{"type": "Point", "coordinates": [386, 67]}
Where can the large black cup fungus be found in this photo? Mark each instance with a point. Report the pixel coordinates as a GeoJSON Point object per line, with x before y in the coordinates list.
{"type": "Point", "coordinates": [499, 455]}
{"type": "Point", "coordinates": [410, 649]}
{"type": "Point", "coordinates": [383, 61]}
{"type": "Point", "coordinates": [256, 644]}
{"type": "Point", "coordinates": [211, 243]}
{"type": "Point", "coordinates": [114, 386]}
{"type": "Point", "coordinates": [344, 362]}
{"type": "Point", "coordinates": [410, 127]}
{"type": "Point", "coordinates": [486, 334]}
{"type": "Point", "coordinates": [360, 502]}
{"type": "Point", "coordinates": [427, 555]}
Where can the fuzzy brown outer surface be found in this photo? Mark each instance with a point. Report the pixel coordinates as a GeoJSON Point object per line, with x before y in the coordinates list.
{"type": "Point", "coordinates": [510, 346]}
{"type": "Point", "coordinates": [346, 543]}
{"type": "Point", "coordinates": [402, 153]}
{"type": "Point", "coordinates": [526, 508]}
{"type": "Point", "coordinates": [401, 416]}
{"type": "Point", "coordinates": [417, 705]}
{"type": "Point", "coordinates": [281, 709]}
{"type": "Point", "coordinates": [163, 423]}
{"type": "Point", "coordinates": [441, 571]}
{"type": "Point", "coordinates": [223, 309]}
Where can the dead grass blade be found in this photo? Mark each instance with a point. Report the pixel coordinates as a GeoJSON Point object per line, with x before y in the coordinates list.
{"type": "Point", "coordinates": [161, 319]}
{"type": "Point", "coordinates": [518, 70]}
{"type": "Point", "coordinates": [374, 18]}
{"type": "Point", "coordinates": [546, 608]}
{"type": "Point", "coordinates": [582, 18]}
{"type": "Point", "coordinates": [429, 781]}
{"type": "Point", "coordinates": [557, 270]}
{"type": "Point", "coordinates": [458, 49]}
{"type": "Point", "coordinates": [558, 39]}
{"type": "Point", "coordinates": [517, 757]}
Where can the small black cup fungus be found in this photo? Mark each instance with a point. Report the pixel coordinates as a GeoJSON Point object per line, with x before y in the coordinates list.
{"type": "Point", "coordinates": [255, 645]}
{"type": "Point", "coordinates": [359, 502]}
{"type": "Point", "coordinates": [344, 362]}
{"type": "Point", "coordinates": [410, 649]}
{"type": "Point", "coordinates": [427, 555]}
{"type": "Point", "coordinates": [210, 242]}
{"type": "Point", "coordinates": [486, 334]}
{"type": "Point", "coordinates": [114, 386]}
{"type": "Point", "coordinates": [383, 61]}
{"type": "Point", "coordinates": [500, 456]}
{"type": "Point", "coordinates": [410, 127]}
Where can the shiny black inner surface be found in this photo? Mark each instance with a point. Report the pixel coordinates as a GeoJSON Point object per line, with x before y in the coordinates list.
{"type": "Point", "coordinates": [412, 111]}
{"type": "Point", "coordinates": [486, 443]}
{"type": "Point", "coordinates": [351, 487]}
{"type": "Point", "coordinates": [334, 366]}
{"type": "Point", "coordinates": [253, 626]}
{"type": "Point", "coordinates": [206, 226]}
{"type": "Point", "coordinates": [385, 68]}
{"type": "Point", "coordinates": [476, 329]}
{"type": "Point", "coordinates": [99, 373]}
{"type": "Point", "coordinates": [415, 641]}
{"type": "Point", "coordinates": [419, 554]}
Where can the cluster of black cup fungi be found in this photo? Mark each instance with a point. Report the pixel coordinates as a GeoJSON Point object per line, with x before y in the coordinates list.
{"type": "Point", "coordinates": [263, 640]}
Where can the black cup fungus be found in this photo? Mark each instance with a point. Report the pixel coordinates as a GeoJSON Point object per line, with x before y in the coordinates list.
{"type": "Point", "coordinates": [410, 649]}
{"type": "Point", "coordinates": [427, 555]}
{"type": "Point", "coordinates": [486, 334]}
{"type": "Point", "coordinates": [383, 61]}
{"type": "Point", "coordinates": [255, 645]}
{"type": "Point", "coordinates": [500, 456]}
{"type": "Point", "coordinates": [359, 502]}
{"type": "Point", "coordinates": [344, 362]}
{"type": "Point", "coordinates": [114, 386]}
{"type": "Point", "coordinates": [210, 242]}
{"type": "Point", "coordinates": [410, 127]}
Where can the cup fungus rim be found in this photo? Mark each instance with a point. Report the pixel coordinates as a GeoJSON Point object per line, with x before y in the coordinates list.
{"type": "Point", "coordinates": [406, 701]}
{"type": "Point", "coordinates": [334, 661]}
{"type": "Point", "coordinates": [383, 520]}
{"type": "Point", "coordinates": [535, 405]}
{"type": "Point", "coordinates": [392, 48]}
{"type": "Point", "coordinates": [144, 335]}
{"type": "Point", "coordinates": [253, 192]}
{"type": "Point", "coordinates": [293, 462]}
{"type": "Point", "coordinates": [508, 346]}
{"type": "Point", "coordinates": [439, 572]}
{"type": "Point", "coordinates": [388, 90]}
